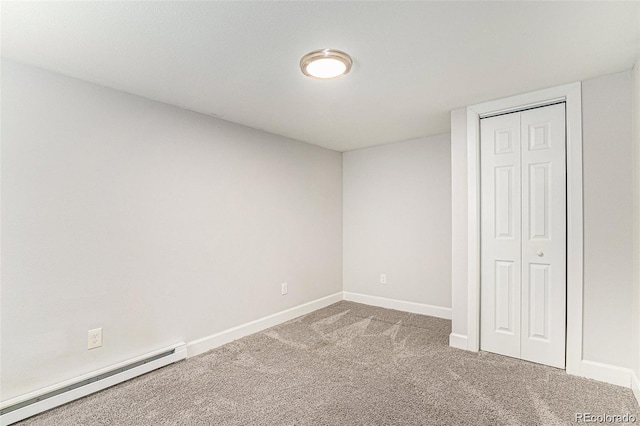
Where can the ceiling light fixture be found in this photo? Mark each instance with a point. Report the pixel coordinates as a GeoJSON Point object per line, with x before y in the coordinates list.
{"type": "Point", "coordinates": [326, 64]}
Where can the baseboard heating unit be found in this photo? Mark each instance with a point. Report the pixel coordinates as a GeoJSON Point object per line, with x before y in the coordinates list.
{"type": "Point", "coordinates": [16, 409]}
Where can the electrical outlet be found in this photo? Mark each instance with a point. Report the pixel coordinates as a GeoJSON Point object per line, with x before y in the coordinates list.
{"type": "Point", "coordinates": [383, 278]}
{"type": "Point", "coordinates": [95, 338]}
{"type": "Point", "coordinates": [283, 288]}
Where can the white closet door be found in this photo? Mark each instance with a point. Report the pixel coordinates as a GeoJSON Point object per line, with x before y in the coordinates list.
{"type": "Point", "coordinates": [500, 235]}
{"type": "Point", "coordinates": [523, 235]}
{"type": "Point", "coordinates": [544, 235]}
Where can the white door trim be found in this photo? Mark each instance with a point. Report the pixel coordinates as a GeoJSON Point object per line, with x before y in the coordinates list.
{"type": "Point", "coordinates": [571, 94]}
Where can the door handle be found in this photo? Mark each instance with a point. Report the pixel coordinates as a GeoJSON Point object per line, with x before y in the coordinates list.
{"type": "Point", "coordinates": [540, 253]}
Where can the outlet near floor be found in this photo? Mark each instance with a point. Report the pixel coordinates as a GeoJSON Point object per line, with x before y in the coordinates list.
{"type": "Point", "coordinates": [95, 338]}
{"type": "Point", "coordinates": [283, 288]}
{"type": "Point", "coordinates": [383, 278]}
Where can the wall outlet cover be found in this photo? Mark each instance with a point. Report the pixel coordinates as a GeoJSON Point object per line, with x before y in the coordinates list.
{"type": "Point", "coordinates": [94, 338]}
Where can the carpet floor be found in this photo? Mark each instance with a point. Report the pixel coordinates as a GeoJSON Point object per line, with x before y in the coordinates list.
{"type": "Point", "coordinates": [347, 364]}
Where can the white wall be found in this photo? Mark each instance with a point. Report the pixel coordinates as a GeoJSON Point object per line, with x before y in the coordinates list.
{"type": "Point", "coordinates": [608, 218]}
{"type": "Point", "coordinates": [636, 229]}
{"type": "Point", "coordinates": [397, 221]}
{"type": "Point", "coordinates": [154, 223]}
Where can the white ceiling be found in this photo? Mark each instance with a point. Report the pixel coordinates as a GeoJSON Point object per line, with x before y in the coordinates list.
{"type": "Point", "coordinates": [413, 61]}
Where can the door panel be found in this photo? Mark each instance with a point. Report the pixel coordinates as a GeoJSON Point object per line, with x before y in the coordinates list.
{"type": "Point", "coordinates": [538, 201]}
{"type": "Point", "coordinates": [500, 212]}
{"type": "Point", "coordinates": [504, 303]}
{"type": "Point", "coordinates": [538, 301]}
{"type": "Point", "coordinates": [544, 227]}
{"type": "Point", "coordinates": [504, 202]}
{"type": "Point", "coordinates": [523, 235]}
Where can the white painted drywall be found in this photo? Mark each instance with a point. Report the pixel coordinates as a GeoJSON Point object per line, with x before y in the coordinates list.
{"type": "Point", "coordinates": [157, 224]}
{"type": "Point", "coordinates": [636, 226]}
{"type": "Point", "coordinates": [397, 221]}
{"type": "Point", "coordinates": [607, 149]}
{"type": "Point", "coordinates": [608, 219]}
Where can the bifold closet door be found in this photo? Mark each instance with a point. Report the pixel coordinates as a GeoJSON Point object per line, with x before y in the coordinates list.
{"type": "Point", "coordinates": [523, 235]}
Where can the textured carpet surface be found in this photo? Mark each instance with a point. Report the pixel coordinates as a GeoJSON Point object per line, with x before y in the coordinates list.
{"type": "Point", "coordinates": [347, 364]}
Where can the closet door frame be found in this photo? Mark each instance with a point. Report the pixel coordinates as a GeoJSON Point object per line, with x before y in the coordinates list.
{"type": "Point", "coordinates": [571, 95]}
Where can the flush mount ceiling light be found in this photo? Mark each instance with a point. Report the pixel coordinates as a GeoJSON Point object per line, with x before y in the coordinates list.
{"type": "Point", "coordinates": [326, 64]}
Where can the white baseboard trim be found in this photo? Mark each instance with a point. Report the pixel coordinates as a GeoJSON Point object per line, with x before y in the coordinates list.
{"type": "Point", "coordinates": [179, 353]}
{"type": "Point", "coordinates": [608, 373]}
{"type": "Point", "coordinates": [400, 305]}
{"type": "Point", "coordinates": [213, 341]}
{"type": "Point", "coordinates": [635, 385]}
{"type": "Point", "coordinates": [458, 341]}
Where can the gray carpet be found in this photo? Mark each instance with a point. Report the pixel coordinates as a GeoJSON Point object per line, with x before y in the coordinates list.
{"type": "Point", "coordinates": [347, 364]}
